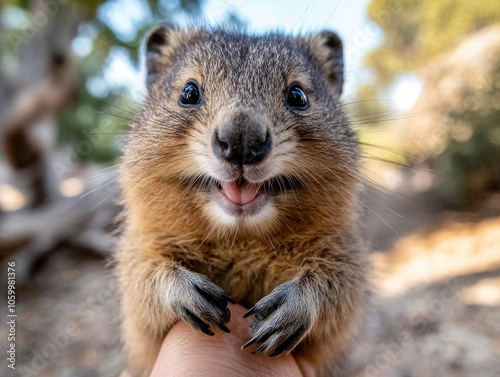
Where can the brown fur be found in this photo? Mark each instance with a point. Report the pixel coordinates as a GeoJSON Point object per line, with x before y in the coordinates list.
{"type": "Point", "coordinates": [311, 240]}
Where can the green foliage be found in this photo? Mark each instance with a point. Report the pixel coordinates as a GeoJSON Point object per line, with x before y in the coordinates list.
{"type": "Point", "coordinates": [469, 165]}
{"type": "Point", "coordinates": [93, 128]}
{"type": "Point", "coordinates": [91, 123]}
{"type": "Point", "coordinates": [417, 31]}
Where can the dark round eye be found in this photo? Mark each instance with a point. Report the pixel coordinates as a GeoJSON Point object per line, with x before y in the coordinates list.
{"type": "Point", "coordinates": [191, 95]}
{"type": "Point", "coordinates": [296, 98]}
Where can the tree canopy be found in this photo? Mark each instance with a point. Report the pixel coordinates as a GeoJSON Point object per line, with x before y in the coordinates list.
{"type": "Point", "coordinates": [87, 37]}
{"type": "Point", "coordinates": [417, 31]}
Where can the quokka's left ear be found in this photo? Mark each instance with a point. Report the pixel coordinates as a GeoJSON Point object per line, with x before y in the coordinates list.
{"type": "Point", "coordinates": [327, 48]}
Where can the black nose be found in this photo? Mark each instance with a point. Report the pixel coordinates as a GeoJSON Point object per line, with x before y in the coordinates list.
{"type": "Point", "coordinates": [242, 141]}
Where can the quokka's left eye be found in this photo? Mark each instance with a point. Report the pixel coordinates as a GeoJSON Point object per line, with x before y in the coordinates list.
{"type": "Point", "coordinates": [296, 98]}
{"type": "Point", "coordinates": [191, 95]}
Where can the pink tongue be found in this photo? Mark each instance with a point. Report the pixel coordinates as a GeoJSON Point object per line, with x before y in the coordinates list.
{"type": "Point", "coordinates": [240, 193]}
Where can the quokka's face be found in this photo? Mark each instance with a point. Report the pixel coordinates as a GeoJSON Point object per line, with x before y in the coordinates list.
{"type": "Point", "coordinates": [244, 132]}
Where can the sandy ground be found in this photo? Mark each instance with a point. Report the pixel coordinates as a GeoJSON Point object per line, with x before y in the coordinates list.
{"type": "Point", "coordinates": [436, 305]}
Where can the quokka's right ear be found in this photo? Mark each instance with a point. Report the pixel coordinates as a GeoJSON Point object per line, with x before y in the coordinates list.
{"type": "Point", "coordinates": [161, 46]}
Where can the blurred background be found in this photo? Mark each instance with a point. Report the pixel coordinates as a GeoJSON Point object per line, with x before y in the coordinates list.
{"type": "Point", "coordinates": [423, 92]}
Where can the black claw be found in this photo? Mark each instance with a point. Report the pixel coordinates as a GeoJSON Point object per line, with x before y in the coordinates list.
{"type": "Point", "coordinates": [223, 327]}
{"type": "Point", "coordinates": [262, 338]}
{"type": "Point", "coordinates": [259, 349]}
{"type": "Point", "coordinates": [267, 310]}
{"type": "Point", "coordinates": [254, 325]}
{"type": "Point", "coordinates": [262, 309]}
{"type": "Point", "coordinates": [197, 323]}
{"type": "Point", "coordinates": [207, 331]}
{"type": "Point", "coordinates": [289, 344]}
{"type": "Point", "coordinates": [229, 299]}
{"type": "Point", "coordinates": [219, 299]}
{"type": "Point", "coordinates": [249, 343]}
{"type": "Point", "coordinates": [227, 315]}
{"type": "Point", "coordinates": [212, 298]}
{"type": "Point", "coordinates": [224, 314]}
{"type": "Point", "coordinates": [250, 312]}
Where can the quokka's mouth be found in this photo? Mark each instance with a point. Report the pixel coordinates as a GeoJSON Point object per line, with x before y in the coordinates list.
{"type": "Point", "coordinates": [241, 197]}
{"type": "Point", "coordinates": [240, 192]}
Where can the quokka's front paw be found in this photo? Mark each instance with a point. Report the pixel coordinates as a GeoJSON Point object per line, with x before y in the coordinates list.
{"type": "Point", "coordinates": [199, 302]}
{"type": "Point", "coordinates": [282, 319]}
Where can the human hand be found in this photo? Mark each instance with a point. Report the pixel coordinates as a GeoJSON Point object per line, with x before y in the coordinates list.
{"type": "Point", "coordinates": [189, 353]}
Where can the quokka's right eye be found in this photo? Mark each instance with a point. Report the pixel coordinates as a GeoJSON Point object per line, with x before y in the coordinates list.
{"type": "Point", "coordinates": [191, 95]}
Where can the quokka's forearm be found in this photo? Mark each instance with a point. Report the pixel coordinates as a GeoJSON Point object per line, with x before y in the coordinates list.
{"type": "Point", "coordinates": [142, 281]}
